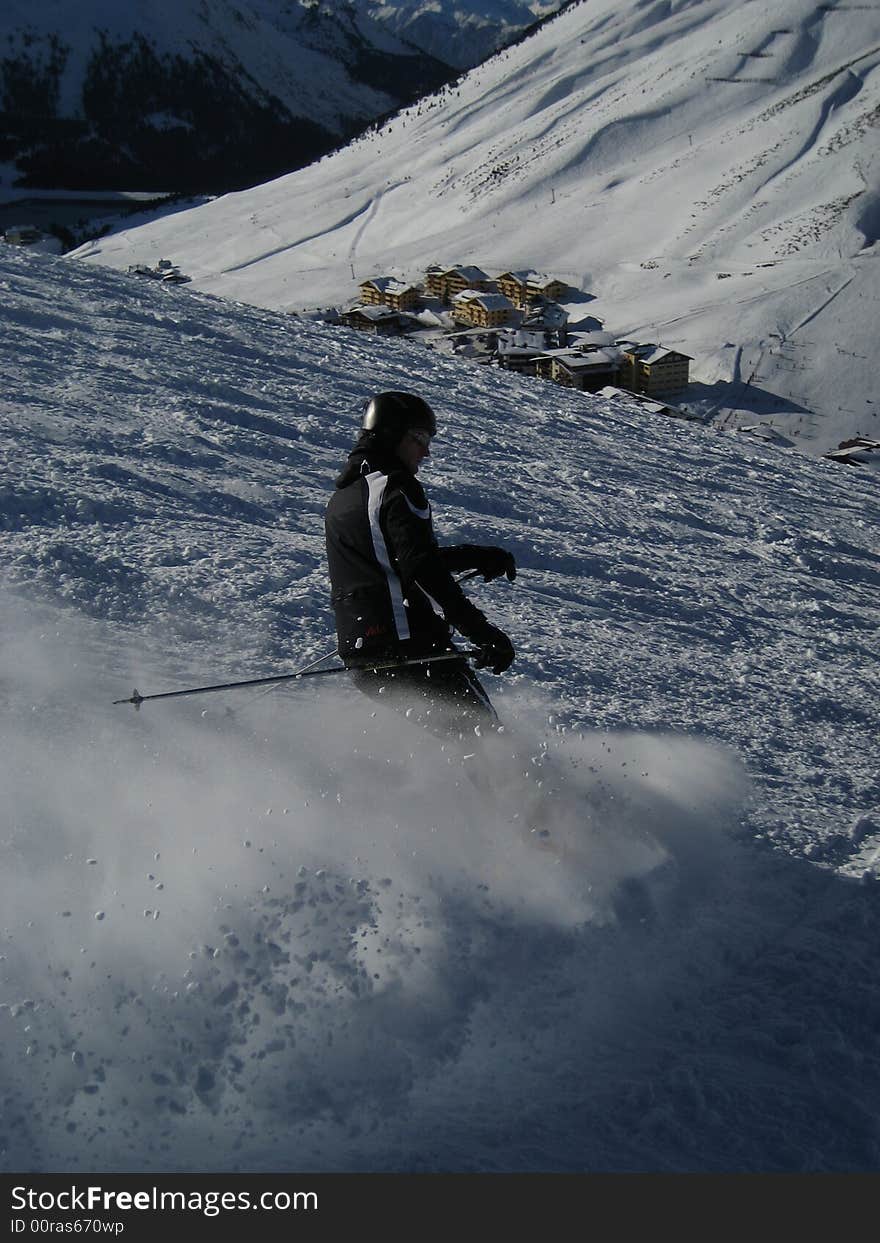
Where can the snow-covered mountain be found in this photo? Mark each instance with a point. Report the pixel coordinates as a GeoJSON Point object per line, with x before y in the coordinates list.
{"type": "Point", "coordinates": [178, 94]}
{"type": "Point", "coordinates": [283, 931]}
{"type": "Point", "coordinates": [707, 173]}
{"type": "Point", "coordinates": [459, 32]}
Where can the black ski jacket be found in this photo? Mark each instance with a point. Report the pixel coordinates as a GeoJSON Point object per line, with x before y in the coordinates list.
{"type": "Point", "coordinates": [392, 588]}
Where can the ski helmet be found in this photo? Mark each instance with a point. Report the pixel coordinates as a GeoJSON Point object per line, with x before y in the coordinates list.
{"type": "Point", "coordinates": [391, 415]}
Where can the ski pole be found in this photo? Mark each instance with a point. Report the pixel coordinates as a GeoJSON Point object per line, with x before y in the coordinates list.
{"type": "Point", "coordinates": [137, 698]}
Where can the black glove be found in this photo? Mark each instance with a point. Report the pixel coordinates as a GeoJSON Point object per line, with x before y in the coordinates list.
{"type": "Point", "coordinates": [496, 650]}
{"type": "Point", "coordinates": [493, 562]}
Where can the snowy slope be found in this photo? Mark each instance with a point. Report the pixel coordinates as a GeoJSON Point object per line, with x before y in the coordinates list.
{"type": "Point", "coordinates": [275, 931]}
{"type": "Point", "coordinates": [707, 173]}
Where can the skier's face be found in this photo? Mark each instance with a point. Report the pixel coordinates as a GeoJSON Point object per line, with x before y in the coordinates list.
{"type": "Point", "coordinates": [413, 449]}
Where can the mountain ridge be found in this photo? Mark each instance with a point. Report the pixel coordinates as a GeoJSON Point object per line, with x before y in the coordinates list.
{"type": "Point", "coordinates": [190, 97]}
{"type": "Point", "coordinates": [461, 34]}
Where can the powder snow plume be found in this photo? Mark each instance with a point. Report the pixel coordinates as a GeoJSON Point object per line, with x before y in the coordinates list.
{"type": "Point", "coordinates": [230, 938]}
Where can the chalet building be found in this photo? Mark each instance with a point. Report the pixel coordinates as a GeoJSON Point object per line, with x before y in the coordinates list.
{"type": "Point", "coordinates": [433, 277]}
{"type": "Point", "coordinates": [542, 329]}
{"type": "Point", "coordinates": [165, 271]}
{"type": "Point", "coordinates": [33, 238]}
{"type": "Point", "coordinates": [475, 343]}
{"type": "Point", "coordinates": [586, 370]}
{"type": "Point", "coordinates": [858, 451]}
{"type": "Point", "coordinates": [380, 320]}
{"type": "Point", "coordinates": [551, 318]}
{"type": "Point", "coordinates": [646, 405]}
{"type": "Point", "coordinates": [388, 291]}
{"type": "Point", "coordinates": [651, 369]}
{"type": "Point", "coordinates": [765, 432]}
{"type": "Point", "coordinates": [482, 310]}
{"type": "Point", "coordinates": [525, 287]}
{"type": "Point", "coordinates": [445, 284]}
{"type": "Point", "coordinates": [22, 235]}
{"type": "Point", "coordinates": [596, 339]}
{"type": "Point", "coordinates": [518, 348]}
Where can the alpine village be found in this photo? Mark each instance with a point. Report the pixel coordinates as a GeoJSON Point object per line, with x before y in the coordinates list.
{"type": "Point", "coordinates": [515, 320]}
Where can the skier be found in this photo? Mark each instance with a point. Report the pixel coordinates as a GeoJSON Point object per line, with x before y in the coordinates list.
{"type": "Point", "coordinates": [392, 585]}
